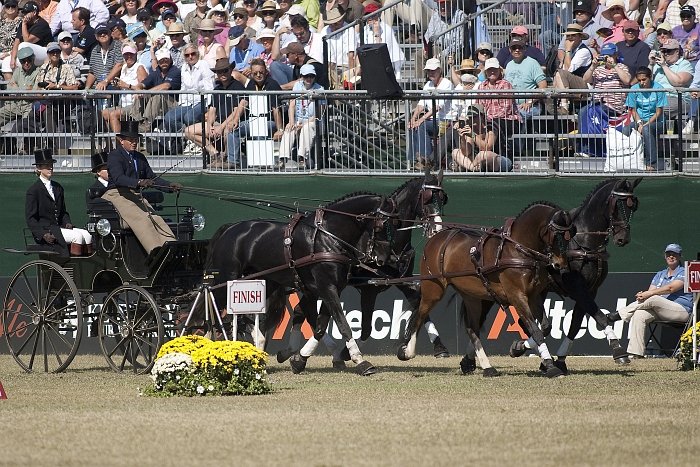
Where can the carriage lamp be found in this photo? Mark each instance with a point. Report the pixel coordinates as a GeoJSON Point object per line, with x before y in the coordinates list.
{"type": "Point", "coordinates": [103, 227]}
{"type": "Point", "coordinates": [198, 222]}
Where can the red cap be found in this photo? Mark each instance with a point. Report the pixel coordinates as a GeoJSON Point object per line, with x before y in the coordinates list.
{"type": "Point", "coordinates": [629, 24]}
{"type": "Point", "coordinates": [371, 8]}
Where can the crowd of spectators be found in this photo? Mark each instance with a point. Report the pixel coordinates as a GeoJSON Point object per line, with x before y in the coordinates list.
{"type": "Point", "coordinates": [180, 47]}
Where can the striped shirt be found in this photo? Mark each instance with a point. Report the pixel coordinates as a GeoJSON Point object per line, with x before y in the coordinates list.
{"type": "Point", "coordinates": [604, 79]}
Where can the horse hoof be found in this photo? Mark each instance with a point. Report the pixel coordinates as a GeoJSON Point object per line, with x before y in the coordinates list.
{"type": "Point", "coordinates": [517, 349]}
{"type": "Point", "coordinates": [345, 354]}
{"type": "Point", "coordinates": [339, 365]}
{"type": "Point", "coordinates": [365, 368]}
{"type": "Point", "coordinates": [561, 364]}
{"type": "Point", "coordinates": [491, 372]}
{"type": "Point", "coordinates": [401, 353]}
{"type": "Point", "coordinates": [467, 365]}
{"type": "Point", "coordinates": [551, 371]}
{"type": "Point", "coordinates": [298, 363]}
{"type": "Point", "coordinates": [439, 349]}
{"type": "Point", "coordinates": [284, 355]}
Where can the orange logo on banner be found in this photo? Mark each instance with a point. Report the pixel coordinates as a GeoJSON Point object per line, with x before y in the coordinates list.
{"type": "Point", "coordinates": [3, 394]}
{"type": "Point", "coordinates": [500, 320]}
{"type": "Point", "coordinates": [305, 327]}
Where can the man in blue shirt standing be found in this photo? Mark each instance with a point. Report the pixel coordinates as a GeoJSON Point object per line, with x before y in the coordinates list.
{"type": "Point", "coordinates": [664, 300]}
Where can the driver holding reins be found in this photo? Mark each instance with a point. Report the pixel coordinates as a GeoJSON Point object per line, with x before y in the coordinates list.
{"type": "Point", "coordinates": [129, 172]}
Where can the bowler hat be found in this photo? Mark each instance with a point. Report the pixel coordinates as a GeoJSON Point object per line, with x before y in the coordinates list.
{"type": "Point", "coordinates": [130, 129]}
{"type": "Point", "coordinates": [43, 156]}
{"type": "Point", "coordinates": [99, 161]}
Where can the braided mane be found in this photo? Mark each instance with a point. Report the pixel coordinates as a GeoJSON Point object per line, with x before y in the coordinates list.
{"type": "Point", "coordinates": [535, 203]}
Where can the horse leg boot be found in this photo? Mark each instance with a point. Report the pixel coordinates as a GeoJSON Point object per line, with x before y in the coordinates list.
{"type": "Point", "coordinates": [551, 371]}
{"type": "Point", "coordinates": [295, 339]}
{"type": "Point", "coordinates": [439, 349]}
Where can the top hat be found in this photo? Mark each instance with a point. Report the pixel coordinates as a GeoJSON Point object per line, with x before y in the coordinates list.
{"type": "Point", "coordinates": [43, 156]}
{"type": "Point", "coordinates": [99, 161]}
{"type": "Point", "coordinates": [130, 129]}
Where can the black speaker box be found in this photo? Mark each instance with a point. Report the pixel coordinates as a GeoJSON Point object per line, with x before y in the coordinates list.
{"type": "Point", "coordinates": [378, 76]}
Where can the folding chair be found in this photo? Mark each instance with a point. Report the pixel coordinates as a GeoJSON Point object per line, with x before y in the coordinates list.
{"type": "Point", "coordinates": [664, 334]}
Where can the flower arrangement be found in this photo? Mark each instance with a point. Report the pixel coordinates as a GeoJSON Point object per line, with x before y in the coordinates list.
{"type": "Point", "coordinates": [197, 366]}
{"type": "Point", "coordinates": [685, 355]}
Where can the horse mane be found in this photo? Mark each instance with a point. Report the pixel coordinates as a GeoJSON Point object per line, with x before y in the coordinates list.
{"type": "Point", "coordinates": [534, 203]}
{"type": "Point", "coordinates": [406, 183]}
{"type": "Point", "coordinates": [351, 195]}
{"type": "Point", "coordinates": [597, 188]}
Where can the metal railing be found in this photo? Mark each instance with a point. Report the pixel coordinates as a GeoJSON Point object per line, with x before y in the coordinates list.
{"type": "Point", "coordinates": [355, 134]}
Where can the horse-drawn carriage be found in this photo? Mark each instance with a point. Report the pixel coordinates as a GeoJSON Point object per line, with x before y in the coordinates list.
{"type": "Point", "coordinates": [123, 295]}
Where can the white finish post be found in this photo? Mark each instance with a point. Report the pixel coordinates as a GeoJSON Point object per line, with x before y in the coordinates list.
{"type": "Point", "coordinates": [696, 297]}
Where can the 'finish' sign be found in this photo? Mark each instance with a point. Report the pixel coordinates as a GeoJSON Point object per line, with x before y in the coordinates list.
{"type": "Point", "coordinates": [245, 297]}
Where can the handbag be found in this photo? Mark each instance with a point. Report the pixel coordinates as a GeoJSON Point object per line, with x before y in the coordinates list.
{"type": "Point", "coordinates": [624, 153]}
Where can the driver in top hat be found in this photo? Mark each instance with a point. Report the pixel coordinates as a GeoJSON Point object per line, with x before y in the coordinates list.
{"type": "Point", "coordinates": [129, 172]}
{"type": "Point", "coordinates": [99, 187]}
{"type": "Point", "coordinates": [46, 215]}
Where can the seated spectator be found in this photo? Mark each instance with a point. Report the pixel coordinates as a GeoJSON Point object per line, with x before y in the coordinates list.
{"type": "Point", "coordinates": [266, 37]}
{"type": "Point", "coordinates": [243, 51]}
{"type": "Point", "coordinates": [661, 34]}
{"type": "Point", "coordinates": [46, 214]}
{"type": "Point", "coordinates": [24, 77]}
{"type": "Point", "coordinates": [167, 18]}
{"type": "Point", "coordinates": [222, 116]}
{"type": "Point", "coordinates": [176, 46]}
{"type": "Point", "coordinates": [219, 15]}
{"type": "Point", "coordinates": [194, 19]}
{"type": "Point", "coordinates": [117, 28]}
{"type": "Point", "coordinates": [132, 73]}
{"type": "Point", "coordinates": [478, 140]}
{"type": "Point", "coordinates": [72, 58]}
{"type": "Point", "coordinates": [161, 6]}
{"type": "Point", "coordinates": [289, 73]}
{"type": "Point", "coordinates": [239, 17]}
{"type": "Point", "coordinates": [577, 60]}
{"type": "Point", "coordinates": [584, 16]}
{"type": "Point", "coordinates": [302, 123]}
{"type": "Point", "coordinates": [54, 75]}
{"type": "Point", "coordinates": [520, 34]}
{"type": "Point", "coordinates": [130, 10]}
{"type": "Point", "coordinates": [143, 49]}
{"type": "Point", "coordinates": [312, 41]}
{"type": "Point", "coordinates": [671, 71]}
{"type": "Point", "coordinates": [615, 13]}
{"type": "Point", "coordinates": [33, 32]}
{"type": "Point", "coordinates": [146, 108]}
{"type": "Point", "coordinates": [447, 46]}
{"type": "Point", "coordinates": [606, 74]}
{"type": "Point", "coordinates": [633, 52]}
{"type": "Point", "coordinates": [47, 8]}
{"type": "Point", "coordinates": [688, 34]}
{"type": "Point", "coordinates": [86, 39]}
{"type": "Point", "coordinates": [144, 15]}
{"type": "Point", "coordinates": [9, 22]}
{"type": "Point", "coordinates": [196, 77]}
{"type": "Point", "coordinates": [663, 300]}
{"type": "Point", "coordinates": [647, 111]}
{"type": "Point", "coordinates": [209, 50]}
{"type": "Point", "coordinates": [525, 73]}
{"type": "Point", "coordinates": [269, 14]}
{"type": "Point", "coordinates": [341, 48]}
{"type": "Point", "coordinates": [259, 81]}
{"type": "Point", "coordinates": [377, 31]}
{"type": "Point", "coordinates": [62, 19]}
{"type": "Point", "coordinates": [502, 113]}
{"type": "Point", "coordinates": [423, 128]}
{"type": "Point", "coordinates": [105, 64]}
{"type": "Point", "coordinates": [670, 11]}
{"type": "Point", "coordinates": [254, 22]}
{"type": "Point", "coordinates": [484, 51]}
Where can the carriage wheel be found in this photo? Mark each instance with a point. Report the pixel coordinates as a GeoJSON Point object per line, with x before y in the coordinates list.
{"type": "Point", "coordinates": [42, 317]}
{"type": "Point", "coordinates": [130, 329]}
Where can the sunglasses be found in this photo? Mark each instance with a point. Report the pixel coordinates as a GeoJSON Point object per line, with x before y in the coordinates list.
{"type": "Point", "coordinates": [686, 16]}
{"type": "Point", "coordinates": [223, 72]}
{"type": "Point", "coordinates": [630, 31]}
{"type": "Point", "coordinates": [517, 47]}
{"type": "Point", "coordinates": [54, 52]}
{"type": "Point", "coordinates": [66, 40]}
{"type": "Point", "coordinates": [238, 16]}
{"type": "Point", "coordinates": [102, 33]}
{"type": "Point", "coordinates": [27, 60]}
{"type": "Point", "coordinates": [192, 54]}
{"type": "Point", "coordinates": [308, 76]}
{"type": "Point", "coordinates": [668, 51]}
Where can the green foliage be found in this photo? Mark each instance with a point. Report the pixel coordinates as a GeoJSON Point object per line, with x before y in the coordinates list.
{"type": "Point", "coordinates": [685, 355]}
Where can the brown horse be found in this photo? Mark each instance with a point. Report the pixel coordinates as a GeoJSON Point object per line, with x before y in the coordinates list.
{"type": "Point", "coordinates": [507, 265]}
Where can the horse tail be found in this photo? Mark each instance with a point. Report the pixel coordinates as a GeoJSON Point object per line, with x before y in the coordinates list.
{"type": "Point", "coordinates": [276, 306]}
{"type": "Point", "coordinates": [213, 241]}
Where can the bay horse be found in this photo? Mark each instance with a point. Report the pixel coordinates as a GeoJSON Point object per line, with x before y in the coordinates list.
{"type": "Point", "coordinates": [507, 266]}
{"type": "Point", "coordinates": [313, 253]}
{"type": "Point", "coordinates": [605, 214]}
{"type": "Point", "coordinates": [419, 203]}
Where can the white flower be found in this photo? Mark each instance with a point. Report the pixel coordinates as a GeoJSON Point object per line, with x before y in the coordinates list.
{"type": "Point", "coordinates": [210, 387]}
{"type": "Point", "coordinates": [200, 389]}
{"type": "Point", "coordinates": [257, 376]}
{"type": "Point", "coordinates": [177, 377]}
{"type": "Point", "coordinates": [236, 372]}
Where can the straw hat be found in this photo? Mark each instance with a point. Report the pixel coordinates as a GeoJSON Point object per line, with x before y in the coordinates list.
{"type": "Point", "coordinates": [467, 65]}
{"type": "Point", "coordinates": [574, 28]}
{"type": "Point", "coordinates": [269, 5]}
{"type": "Point", "coordinates": [208, 25]}
{"type": "Point", "coordinates": [333, 16]}
{"type": "Point", "coordinates": [175, 28]}
{"type": "Point", "coordinates": [218, 9]}
{"type": "Point", "coordinates": [608, 14]}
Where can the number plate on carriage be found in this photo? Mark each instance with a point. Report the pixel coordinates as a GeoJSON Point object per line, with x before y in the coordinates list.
{"type": "Point", "coordinates": [245, 297]}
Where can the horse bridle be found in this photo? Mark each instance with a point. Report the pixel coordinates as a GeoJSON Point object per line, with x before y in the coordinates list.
{"type": "Point", "coordinates": [618, 201]}
{"type": "Point", "coordinates": [430, 195]}
{"type": "Point", "coordinates": [383, 220]}
{"type": "Point", "coordinates": [557, 236]}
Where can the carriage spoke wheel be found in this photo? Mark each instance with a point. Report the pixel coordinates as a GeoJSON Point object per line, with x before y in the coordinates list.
{"type": "Point", "coordinates": [130, 329]}
{"type": "Point", "coordinates": [42, 317]}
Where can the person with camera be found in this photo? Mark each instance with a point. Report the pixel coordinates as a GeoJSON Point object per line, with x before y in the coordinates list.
{"type": "Point", "coordinates": [671, 71]}
{"type": "Point", "coordinates": [130, 173]}
{"type": "Point", "coordinates": [478, 139]}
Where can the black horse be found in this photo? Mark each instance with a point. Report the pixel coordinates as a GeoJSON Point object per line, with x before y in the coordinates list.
{"type": "Point", "coordinates": [313, 253]}
{"type": "Point", "coordinates": [605, 213]}
{"type": "Point", "coordinates": [419, 198]}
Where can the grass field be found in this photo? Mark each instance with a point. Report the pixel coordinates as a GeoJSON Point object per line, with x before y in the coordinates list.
{"type": "Point", "coordinates": [423, 412]}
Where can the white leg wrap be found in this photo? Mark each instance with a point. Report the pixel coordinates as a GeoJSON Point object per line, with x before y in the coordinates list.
{"type": "Point", "coordinates": [431, 330]}
{"type": "Point", "coordinates": [609, 333]}
{"type": "Point", "coordinates": [544, 352]}
{"type": "Point", "coordinates": [565, 347]}
{"type": "Point", "coordinates": [355, 353]}
{"type": "Point", "coordinates": [309, 348]}
{"type": "Point", "coordinates": [411, 347]}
